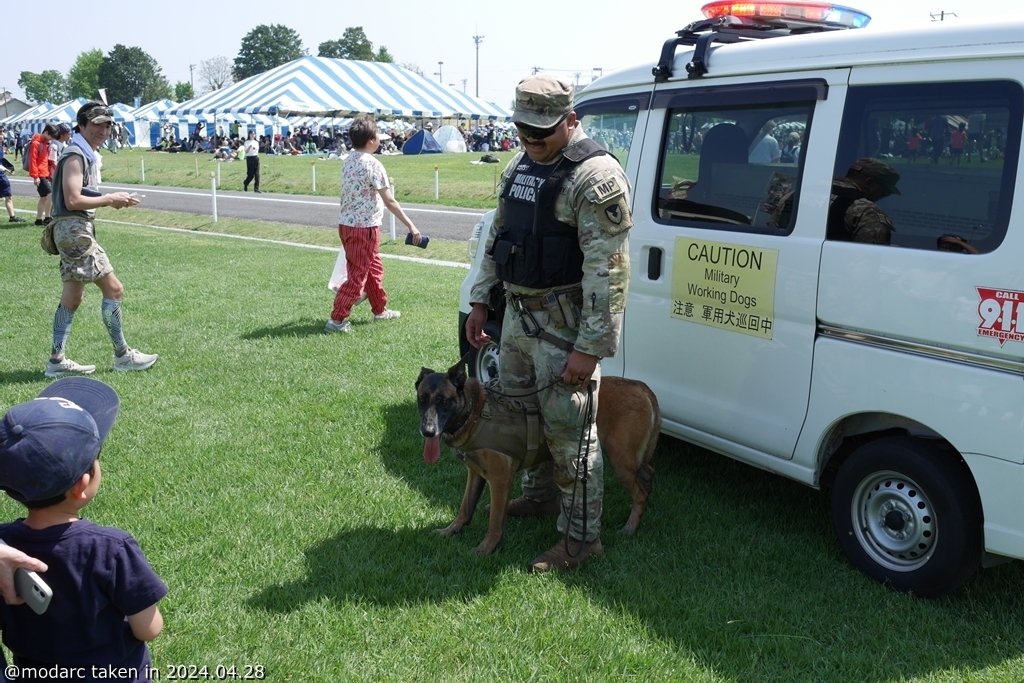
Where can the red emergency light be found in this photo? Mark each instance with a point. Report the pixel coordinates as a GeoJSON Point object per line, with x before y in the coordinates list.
{"type": "Point", "coordinates": [803, 12]}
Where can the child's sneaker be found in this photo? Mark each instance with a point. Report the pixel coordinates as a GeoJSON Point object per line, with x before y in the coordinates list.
{"type": "Point", "coordinates": [388, 314]}
{"type": "Point", "coordinates": [66, 366]}
{"type": "Point", "coordinates": [343, 326]}
{"type": "Point", "coordinates": [134, 359]}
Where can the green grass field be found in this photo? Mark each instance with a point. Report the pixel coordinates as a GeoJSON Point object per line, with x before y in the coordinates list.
{"type": "Point", "coordinates": [459, 182]}
{"type": "Point", "coordinates": [273, 476]}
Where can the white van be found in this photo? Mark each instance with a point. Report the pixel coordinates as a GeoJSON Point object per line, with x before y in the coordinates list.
{"type": "Point", "coordinates": [889, 374]}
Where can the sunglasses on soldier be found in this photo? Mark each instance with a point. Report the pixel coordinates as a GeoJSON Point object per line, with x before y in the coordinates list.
{"type": "Point", "coordinates": [534, 133]}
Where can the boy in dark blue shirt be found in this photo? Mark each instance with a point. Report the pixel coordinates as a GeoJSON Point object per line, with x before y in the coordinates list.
{"type": "Point", "coordinates": [105, 594]}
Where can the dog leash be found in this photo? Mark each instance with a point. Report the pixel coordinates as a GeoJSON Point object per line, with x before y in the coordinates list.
{"type": "Point", "coordinates": [582, 476]}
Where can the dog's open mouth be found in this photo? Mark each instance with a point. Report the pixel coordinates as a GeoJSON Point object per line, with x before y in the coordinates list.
{"type": "Point", "coordinates": [432, 450]}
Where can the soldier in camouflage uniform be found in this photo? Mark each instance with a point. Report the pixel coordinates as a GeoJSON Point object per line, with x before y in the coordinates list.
{"type": "Point", "coordinates": [558, 242]}
{"type": "Point", "coordinates": [853, 214]}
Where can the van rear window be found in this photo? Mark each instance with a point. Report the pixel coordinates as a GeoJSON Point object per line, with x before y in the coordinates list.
{"type": "Point", "coordinates": [950, 152]}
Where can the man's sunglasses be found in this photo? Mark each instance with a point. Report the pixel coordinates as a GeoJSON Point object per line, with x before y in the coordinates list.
{"type": "Point", "coordinates": [98, 110]}
{"type": "Point", "coordinates": [535, 133]}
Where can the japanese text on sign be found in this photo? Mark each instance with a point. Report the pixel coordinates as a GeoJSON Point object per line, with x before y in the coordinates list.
{"type": "Point", "coordinates": [726, 286]}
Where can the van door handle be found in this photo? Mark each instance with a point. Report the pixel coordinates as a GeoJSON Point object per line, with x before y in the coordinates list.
{"type": "Point", "coordinates": [654, 263]}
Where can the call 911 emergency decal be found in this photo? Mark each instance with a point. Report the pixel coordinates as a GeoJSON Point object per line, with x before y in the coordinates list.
{"type": "Point", "coordinates": [727, 286]}
{"type": "Point", "coordinates": [1002, 314]}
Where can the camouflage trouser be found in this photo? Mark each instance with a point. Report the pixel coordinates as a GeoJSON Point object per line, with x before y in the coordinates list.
{"type": "Point", "coordinates": [528, 363]}
{"type": "Point", "coordinates": [82, 259]}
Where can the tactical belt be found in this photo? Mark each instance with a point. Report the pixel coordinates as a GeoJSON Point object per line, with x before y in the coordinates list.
{"type": "Point", "coordinates": [523, 305]}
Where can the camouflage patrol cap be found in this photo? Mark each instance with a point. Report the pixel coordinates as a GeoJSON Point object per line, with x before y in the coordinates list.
{"type": "Point", "coordinates": [882, 172]}
{"type": "Point", "coordinates": [542, 101]}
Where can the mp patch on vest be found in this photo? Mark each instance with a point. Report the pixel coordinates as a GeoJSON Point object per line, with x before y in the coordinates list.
{"type": "Point", "coordinates": [604, 188]}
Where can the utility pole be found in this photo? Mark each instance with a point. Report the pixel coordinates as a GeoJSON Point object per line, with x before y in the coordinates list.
{"type": "Point", "coordinates": [191, 78]}
{"type": "Point", "coordinates": [477, 39]}
{"type": "Point", "coordinates": [941, 15]}
{"type": "Point", "coordinates": [438, 73]}
{"type": "Point", "coordinates": [464, 81]}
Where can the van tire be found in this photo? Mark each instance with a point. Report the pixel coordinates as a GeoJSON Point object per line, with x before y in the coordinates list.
{"type": "Point", "coordinates": [483, 362]}
{"type": "Point", "coordinates": [907, 513]}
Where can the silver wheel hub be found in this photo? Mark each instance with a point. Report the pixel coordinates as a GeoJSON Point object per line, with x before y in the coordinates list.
{"type": "Point", "coordinates": [894, 521]}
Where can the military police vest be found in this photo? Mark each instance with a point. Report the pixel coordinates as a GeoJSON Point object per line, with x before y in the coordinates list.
{"type": "Point", "coordinates": [533, 248]}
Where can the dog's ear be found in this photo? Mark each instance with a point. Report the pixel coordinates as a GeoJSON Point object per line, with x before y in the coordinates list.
{"type": "Point", "coordinates": [423, 373]}
{"type": "Point", "coordinates": [457, 374]}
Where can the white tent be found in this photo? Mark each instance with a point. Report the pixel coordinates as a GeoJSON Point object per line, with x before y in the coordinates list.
{"type": "Point", "coordinates": [450, 138]}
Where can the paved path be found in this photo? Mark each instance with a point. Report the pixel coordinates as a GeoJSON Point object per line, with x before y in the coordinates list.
{"type": "Point", "coordinates": [315, 212]}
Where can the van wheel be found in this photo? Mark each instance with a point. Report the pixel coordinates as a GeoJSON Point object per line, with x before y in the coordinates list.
{"type": "Point", "coordinates": [907, 514]}
{"type": "Point", "coordinates": [483, 362]}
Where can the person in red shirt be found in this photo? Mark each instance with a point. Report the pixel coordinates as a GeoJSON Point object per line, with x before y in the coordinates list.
{"type": "Point", "coordinates": [39, 170]}
{"type": "Point", "coordinates": [957, 141]}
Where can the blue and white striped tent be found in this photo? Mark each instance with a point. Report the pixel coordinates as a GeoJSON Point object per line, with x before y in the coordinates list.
{"type": "Point", "coordinates": [320, 86]}
{"type": "Point", "coordinates": [62, 113]}
{"type": "Point", "coordinates": [28, 114]}
{"type": "Point", "coordinates": [147, 121]}
{"type": "Point", "coordinates": [153, 110]}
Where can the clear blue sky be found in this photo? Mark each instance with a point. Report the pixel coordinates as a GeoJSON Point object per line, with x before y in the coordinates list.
{"type": "Point", "coordinates": [567, 38]}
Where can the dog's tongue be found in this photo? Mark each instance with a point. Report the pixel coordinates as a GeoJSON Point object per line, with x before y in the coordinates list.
{"type": "Point", "coordinates": [432, 450]}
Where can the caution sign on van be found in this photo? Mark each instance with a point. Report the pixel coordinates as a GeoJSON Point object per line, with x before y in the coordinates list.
{"type": "Point", "coordinates": [728, 286]}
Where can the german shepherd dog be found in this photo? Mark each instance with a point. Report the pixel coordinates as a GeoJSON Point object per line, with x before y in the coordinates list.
{"type": "Point", "coordinates": [628, 423]}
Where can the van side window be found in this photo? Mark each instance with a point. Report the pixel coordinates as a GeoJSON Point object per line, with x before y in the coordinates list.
{"type": "Point", "coordinates": [948, 150]}
{"type": "Point", "coordinates": [611, 123]}
{"type": "Point", "coordinates": [732, 168]}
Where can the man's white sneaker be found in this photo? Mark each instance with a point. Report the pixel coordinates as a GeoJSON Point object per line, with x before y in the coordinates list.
{"type": "Point", "coordinates": [343, 326]}
{"type": "Point", "coordinates": [133, 359]}
{"type": "Point", "coordinates": [388, 314]}
{"type": "Point", "coordinates": [66, 366]}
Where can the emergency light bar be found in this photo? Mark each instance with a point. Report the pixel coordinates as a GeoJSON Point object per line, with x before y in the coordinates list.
{"type": "Point", "coordinates": [821, 13]}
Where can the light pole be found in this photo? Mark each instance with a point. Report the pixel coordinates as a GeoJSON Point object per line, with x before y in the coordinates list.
{"type": "Point", "coordinates": [191, 78]}
{"type": "Point", "coordinates": [440, 79]}
{"type": "Point", "coordinates": [477, 39]}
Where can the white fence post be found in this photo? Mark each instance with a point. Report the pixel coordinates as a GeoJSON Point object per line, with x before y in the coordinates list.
{"type": "Point", "coordinates": [213, 194]}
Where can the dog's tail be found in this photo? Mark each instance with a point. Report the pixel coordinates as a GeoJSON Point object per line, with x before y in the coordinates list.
{"type": "Point", "coordinates": [654, 430]}
{"type": "Point", "coordinates": [645, 473]}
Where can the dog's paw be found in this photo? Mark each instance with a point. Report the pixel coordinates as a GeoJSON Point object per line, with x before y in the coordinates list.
{"type": "Point", "coordinates": [486, 547]}
{"type": "Point", "coordinates": [450, 530]}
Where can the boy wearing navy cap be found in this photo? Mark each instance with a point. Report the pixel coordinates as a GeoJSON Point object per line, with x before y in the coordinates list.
{"type": "Point", "coordinates": [105, 594]}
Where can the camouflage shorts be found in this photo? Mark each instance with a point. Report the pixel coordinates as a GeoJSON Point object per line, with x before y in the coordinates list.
{"type": "Point", "coordinates": [82, 259]}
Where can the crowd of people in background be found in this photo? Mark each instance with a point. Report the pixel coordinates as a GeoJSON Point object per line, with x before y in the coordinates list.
{"type": "Point", "coordinates": [226, 142]}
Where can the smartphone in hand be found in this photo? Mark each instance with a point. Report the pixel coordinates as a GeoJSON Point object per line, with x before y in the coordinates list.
{"type": "Point", "coordinates": [32, 589]}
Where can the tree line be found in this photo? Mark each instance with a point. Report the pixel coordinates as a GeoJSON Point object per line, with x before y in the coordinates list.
{"type": "Point", "coordinates": [129, 72]}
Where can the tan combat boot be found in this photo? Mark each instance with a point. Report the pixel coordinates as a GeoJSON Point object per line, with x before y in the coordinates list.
{"type": "Point", "coordinates": [557, 558]}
